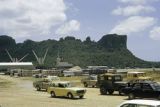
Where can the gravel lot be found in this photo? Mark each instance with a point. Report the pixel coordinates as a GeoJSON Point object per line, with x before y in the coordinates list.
{"type": "Point", "coordinates": [22, 94]}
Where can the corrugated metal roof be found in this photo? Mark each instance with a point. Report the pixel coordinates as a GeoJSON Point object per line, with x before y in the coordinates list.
{"type": "Point", "coordinates": [16, 65]}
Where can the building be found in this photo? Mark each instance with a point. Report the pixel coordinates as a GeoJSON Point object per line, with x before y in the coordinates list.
{"type": "Point", "coordinates": [62, 65]}
{"type": "Point", "coordinates": [16, 65]}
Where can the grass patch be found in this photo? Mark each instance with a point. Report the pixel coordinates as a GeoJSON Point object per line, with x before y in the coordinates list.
{"type": "Point", "coordinates": [31, 78]}
{"type": "Point", "coordinates": [5, 83]}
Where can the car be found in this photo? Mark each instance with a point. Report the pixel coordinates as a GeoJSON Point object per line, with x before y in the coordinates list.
{"type": "Point", "coordinates": [43, 83]}
{"type": "Point", "coordinates": [90, 81]}
{"type": "Point", "coordinates": [143, 89]}
{"type": "Point", "coordinates": [140, 103]}
{"type": "Point", "coordinates": [65, 89]}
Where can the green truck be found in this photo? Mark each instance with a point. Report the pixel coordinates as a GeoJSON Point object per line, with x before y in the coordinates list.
{"type": "Point", "coordinates": [108, 83]}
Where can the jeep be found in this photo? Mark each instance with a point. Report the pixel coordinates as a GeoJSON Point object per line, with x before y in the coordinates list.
{"type": "Point", "coordinates": [109, 83]}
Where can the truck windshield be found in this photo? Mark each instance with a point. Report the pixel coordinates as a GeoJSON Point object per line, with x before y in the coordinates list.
{"type": "Point", "coordinates": [93, 77]}
{"type": "Point", "coordinates": [155, 85]}
{"type": "Point", "coordinates": [117, 78]}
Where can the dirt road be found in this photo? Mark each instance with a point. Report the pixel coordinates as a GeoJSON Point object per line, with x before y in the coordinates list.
{"type": "Point", "coordinates": [22, 94]}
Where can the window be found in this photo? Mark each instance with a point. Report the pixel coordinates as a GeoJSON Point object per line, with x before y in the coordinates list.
{"type": "Point", "coordinates": [93, 78]}
{"type": "Point", "coordinates": [102, 78]}
{"type": "Point", "coordinates": [137, 85]}
{"type": "Point", "coordinates": [61, 85]}
{"type": "Point", "coordinates": [136, 105]}
{"type": "Point", "coordinates": [135, 75]}
{"type": "Point", "coordinates": [109, 78]}
{"type": "Point", "coordinates": [129, 105]}
{"type": "Point", "coordinates": [117, 78]}
{"type": "Point", "coordinates": [144, 106]}
{"type": "Point", "coordinates": [147, 87]}
{"type": "Point", "coordinates": [52, 85]}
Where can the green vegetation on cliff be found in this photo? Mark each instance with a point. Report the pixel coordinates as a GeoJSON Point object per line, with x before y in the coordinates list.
{"type": "Point", "coordinates": [111, 50]}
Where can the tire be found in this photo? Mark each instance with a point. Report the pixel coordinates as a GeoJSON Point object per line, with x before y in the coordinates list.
{"type": "Point", "coordinates": [81, 97]}
{"type": "Point", "coordinates": [103, 91]}
{"type": "Point", "coordinates": [120, 92]}
{"type": "Point", "coordinates": [85, 85]}
{"type": "Point", "coordinates": [70, 95]}
{"type": "Point", "coordinates": [110, 92]}
{"type": "Point", "coordinates": [131, 96]}
{"type": "Point", "coordinates": [38, 88]}
{"type": "Point", "coordinates": [53, 95]}
{"type": "Point", "coordinates": [158, 97]}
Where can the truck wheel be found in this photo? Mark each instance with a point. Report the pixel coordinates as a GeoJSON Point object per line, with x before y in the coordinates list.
{"type": "Point", "coordinates": [131, 96]}
{"type": "Point", "coordinates": [158, 97]}
{"type": "Point", "coordinates": [120, 92]}
{"type": "Point", "coordinates": [38, 88]}
{"type": "Point", "coordinates": [70, 96]}
{"type": "Point", "coordinates": [110, 92]}
{"type": "Point", "coordinates": [53, 94]}
{"type": "Point", "coordinates": [81, 96]}
{"type": "Point", "coordinates": [103, 91]}
{"type": "Point", "coordinates": [85, 85]}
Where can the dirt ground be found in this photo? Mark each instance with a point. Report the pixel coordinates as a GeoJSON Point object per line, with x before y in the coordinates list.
{"type": "Point", "coordinates": [20, 93]}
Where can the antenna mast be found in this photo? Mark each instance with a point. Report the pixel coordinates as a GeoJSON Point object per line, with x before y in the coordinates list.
{"type": "Point", "coordinates": [10, 56]}
{"type": "Point", "coordinates": [45, 56]}
{"type": "Point", "coordinates": [40, 60]}
{"type": "Point", "coordinates": [23, 57]}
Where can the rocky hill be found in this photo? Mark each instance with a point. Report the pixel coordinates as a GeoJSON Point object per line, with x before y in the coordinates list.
{"type": "Point", "coordinates": [111, 50]}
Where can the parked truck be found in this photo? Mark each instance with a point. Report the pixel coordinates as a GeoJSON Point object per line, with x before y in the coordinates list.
{"type": "Point", "coordinates": [90, 81]}
{"type": "Point", "coordinates": [44, 83]}
{"type": "Point", "coordinates": [109, 82]}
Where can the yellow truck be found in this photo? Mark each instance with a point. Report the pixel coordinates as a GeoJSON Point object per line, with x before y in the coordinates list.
{"type": "Point", "coordinates": [138, 76]}
{"type": "Point", "coordinates": [65, 89]}
{"type": "Point", "coordinates": [43, 83]}
{"type": "Point", "coordinates": [90, 81]}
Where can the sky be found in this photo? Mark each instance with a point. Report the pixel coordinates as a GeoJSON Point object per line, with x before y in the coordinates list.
{"type": "Point", "coordinates": [52, 19]}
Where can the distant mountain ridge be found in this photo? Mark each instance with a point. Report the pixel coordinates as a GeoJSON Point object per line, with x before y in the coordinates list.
{"type": "Point", "coordinates": [111, 50]}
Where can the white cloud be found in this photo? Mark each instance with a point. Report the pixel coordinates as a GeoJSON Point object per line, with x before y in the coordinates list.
{"type": "Point", "coordinates": [133, 10]}
{"type": "Point", "coordinates": [155, 33]}
{"type": "Point", "coordinates": [68, 27]}
{"type": "Point", "coordinates": [23, 18]}
{"type": "Point", "coordinates": [133, 24]}
{"type": "Point", "coordinates": [137, 1]}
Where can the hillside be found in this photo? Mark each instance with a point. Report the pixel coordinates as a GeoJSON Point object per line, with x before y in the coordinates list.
{"type": "Point", "coordinates": [111, 50]}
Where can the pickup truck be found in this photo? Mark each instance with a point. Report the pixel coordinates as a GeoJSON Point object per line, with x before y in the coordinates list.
{"type": "Point", "coordinates": [44, 83]}
{"type": "Point", "coordinates": [146, 89]}
{"type": "Point", "coordinates": [90, 81]}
